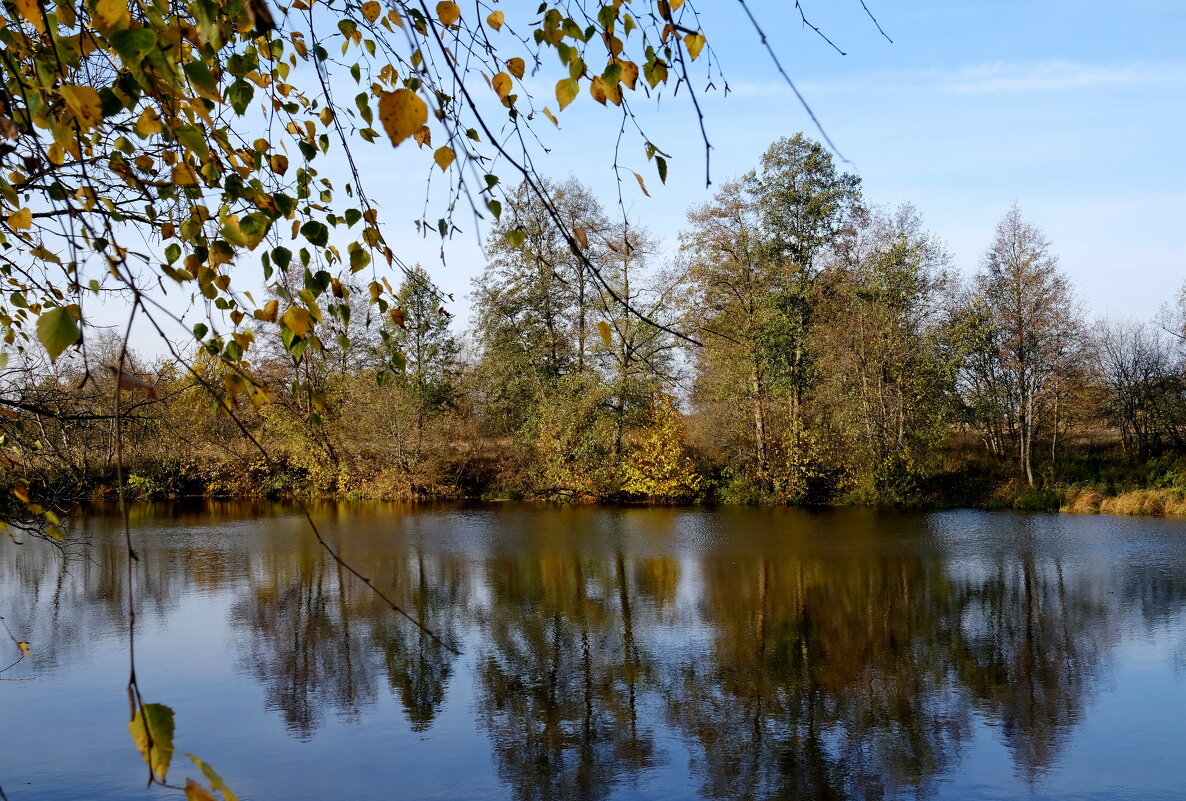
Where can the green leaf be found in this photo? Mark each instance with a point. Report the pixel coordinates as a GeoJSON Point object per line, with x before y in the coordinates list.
{"type": "Point", "coordinates": [282, 256]}
{"type": "Point", "coordinates": [661, 163]}
{"type": "Point", "coordinates": [152, 732]}
{"type": "Point", "coordinates": [202, 79]}
{"type": "Point", "coordinates": [239, 95]}
{"type": "Point", "coordinates": [316, 233]}
{"type": "Point", "coordinates": [194, 138]}
{"type": "Point", "coordinates": [58, 329]}
{"type": "Point", "coordinates": [133, 45]}
{"type": "Point", "coordinates": [359, 258]}
{"type": "Point", "coordinates": [515, 238]}
{"type": "Point", "coordinates": [200, 331]}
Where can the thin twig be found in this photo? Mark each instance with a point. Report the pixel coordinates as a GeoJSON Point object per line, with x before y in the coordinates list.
{"type": "Point", "coordinates": [802, 101]}
{"type": "Point", "coordinates": [875, 22]}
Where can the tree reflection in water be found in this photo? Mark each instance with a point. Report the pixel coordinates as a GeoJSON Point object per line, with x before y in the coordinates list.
{"type": "Point", "coordinates": [560, 669]}
{"type": "Point", "coordinates": [785, 666]}
{"type": "Point", "coordinates": [317, 640]}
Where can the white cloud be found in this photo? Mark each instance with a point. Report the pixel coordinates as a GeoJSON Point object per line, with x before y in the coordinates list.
{"type": "Point", "coordinates": [994, 78]}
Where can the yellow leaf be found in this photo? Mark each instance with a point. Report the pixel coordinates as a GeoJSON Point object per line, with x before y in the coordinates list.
{"type": "Point", "coordinates": [268, 313]}
{"type": "Point", "coordinates": [296, 319]}
{"type": "Point", "coordinates": [196, 792]}
{"type": "Point", "coordinates": [629, 73]}
{"type": "Point", "coordinates": [111, 15]}
{"type": "Point", "coordinates": [183, 174]}
{"type": "Point", "coordinates": [642, 184]}
{"type": "Point", "coordinates": [496, 19]}
{"type": "Point", "coordinates": [22, 219]}
{"type": "Point", "coordinates": [566, 91]}
{"type": "Point", "coordinates": [31, 12]}
{"type": "Point", "coordinates": [548, 113]}
{"type": "Point", "coordinates": [602, 91]}
{"type": "Point", "coordinates": [215, 780]}
{"type": "Point", "coordinates": [448, 12]}
{"type": "Point", "coordinates": [45, 255]}
{"type": "Point", "coordinates": [517, 67]}
{"type": "Point", "coordinates": [24, 646]}
{"type": "Point", "coordinates": [398, 317]}
{"type": "Point", "coordinates": [675, 4]}
{"type": "Point", "coordinates": [84, 104]}
{"type": "Point", "coordinates": [149, 122]}
{"type": "Point", "coordinates": [502, 85]}
{"type": "Point", "coordinates": [597, 90]}
{"type": "Point", "coordinates": [402, 113]}
{"type": "Point", "coordinates": [606, 332]}
{"type": "Point", "coordinates": [695, 43]}
{"type": "Point", "coordinates": [444, 157]}
{"type": "Point", "coordinates": [21, 492]}
{"type": "Point", "coordinates": [279, 163]}
{"type": "Point", "coordinates": [371, 10]}
{"type": "Point", "coordinates": [423, 136]}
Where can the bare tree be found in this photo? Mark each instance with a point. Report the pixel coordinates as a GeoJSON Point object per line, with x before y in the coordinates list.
{"type": "Point", "coordinates": [1140, 367]}
{"type": "Point", "coordinates": [1031, 334]}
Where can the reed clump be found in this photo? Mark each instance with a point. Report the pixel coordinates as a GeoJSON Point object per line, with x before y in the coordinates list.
{"type": "Point", "coordinates": [1150, 502]}
{"type": "Point", "coordinates": [1084, 502]}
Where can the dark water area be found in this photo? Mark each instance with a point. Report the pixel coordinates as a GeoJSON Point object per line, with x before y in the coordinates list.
{"type": "Point", "coordinates": [607, 654]}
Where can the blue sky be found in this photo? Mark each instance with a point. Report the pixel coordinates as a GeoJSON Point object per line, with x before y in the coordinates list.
{"type": "Point", "coordinates": [1074, 110]}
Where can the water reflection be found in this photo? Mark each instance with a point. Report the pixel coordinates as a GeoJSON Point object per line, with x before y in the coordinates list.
{"type": "Point", "coordinates": [846, 656]}
{"type": "Point", "coordinates": [560, 671]}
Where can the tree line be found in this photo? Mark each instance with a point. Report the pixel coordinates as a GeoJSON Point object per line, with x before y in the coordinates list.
{"type": "Point", "coordinates": [796, 345]}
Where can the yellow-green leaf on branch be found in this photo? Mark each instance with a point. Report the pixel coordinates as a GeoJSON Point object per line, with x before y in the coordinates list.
{"type": "Point", "coordinates": [402, 114]}
{"type": "Point", "coordinates": [215, 780]}
{"type": "Point", "coordinates": [296, 319]}
{"type": "Point", "coordinates": [40, 252]}
{"type": "Point", "coordinates": [517, 67]}
{"type": "Point", "coordinates": [695, 43]}
{"type": "Point", "coordinates": [24, 648]}
{"type": "Point", "coordinates": [496, 19]}
{"type": "Point", "coordinates": [57, 329]}
{"type": "Point", "coordinates": [152, 732]}
{"type": "Point", "coordinates": [444, 157]}
{"type": "Point", "coordinates": [566, 91]}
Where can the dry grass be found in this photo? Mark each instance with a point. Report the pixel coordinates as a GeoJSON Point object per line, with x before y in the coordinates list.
{"type": "Point", "coordinates": [1086, 502]}
{"type": "Point", "coordinates": [1155, 503]}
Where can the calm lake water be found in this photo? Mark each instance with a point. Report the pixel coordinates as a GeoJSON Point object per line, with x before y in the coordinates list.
{"type": "Point", "coordinates": [608, 654]}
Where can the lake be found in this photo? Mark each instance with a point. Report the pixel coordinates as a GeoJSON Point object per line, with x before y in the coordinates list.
{"type": "Point", "coordinates": [606, 654]}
